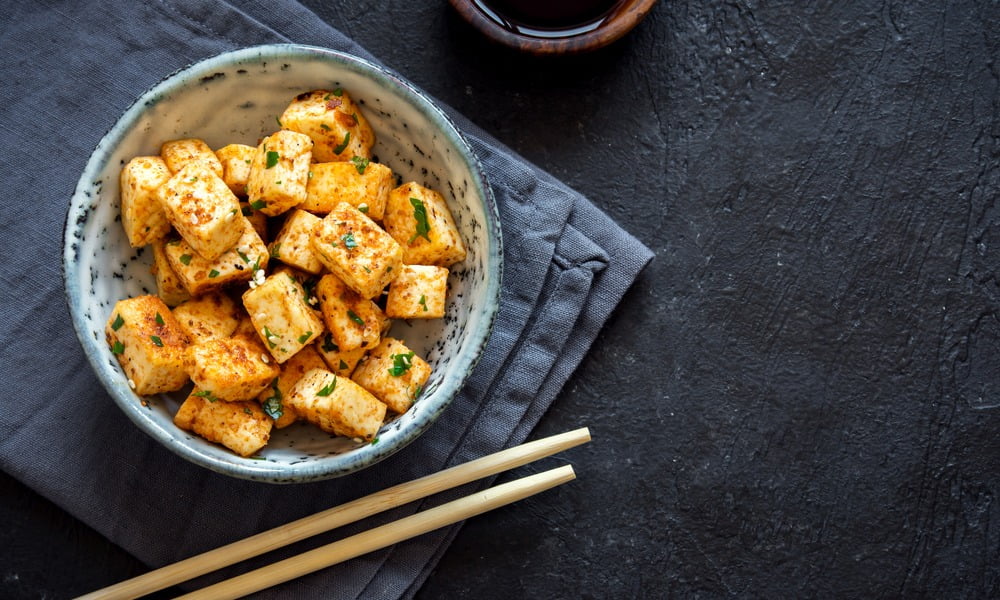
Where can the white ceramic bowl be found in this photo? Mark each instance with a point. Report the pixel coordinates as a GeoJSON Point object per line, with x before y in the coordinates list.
{"type": "Point", "coordinates": [236, 97]}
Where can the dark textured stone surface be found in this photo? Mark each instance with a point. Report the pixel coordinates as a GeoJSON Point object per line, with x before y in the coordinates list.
{"type": "Point", "coordinates": [800, 396]}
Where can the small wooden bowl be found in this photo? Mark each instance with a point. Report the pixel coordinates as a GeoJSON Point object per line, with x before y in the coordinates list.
{"type": "Point", "coordinates": [619, 21]}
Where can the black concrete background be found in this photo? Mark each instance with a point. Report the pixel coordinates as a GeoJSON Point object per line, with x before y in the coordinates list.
{"type": "Point", "coordinates": [800, 396]}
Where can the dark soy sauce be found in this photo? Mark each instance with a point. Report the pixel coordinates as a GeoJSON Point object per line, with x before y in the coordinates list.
{"type": "Point", "coordinates": [548, 18]}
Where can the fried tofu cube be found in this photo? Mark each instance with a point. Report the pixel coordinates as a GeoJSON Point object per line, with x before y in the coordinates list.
{"type": "Point", "coordinates": [240, 426]}
{"type": "Point", "coordinates": [292, 244]}
{"type": "Point", "coordinates": [354, 322]}
{"type": "Point", "coordinates": [235, 160]}
{"type": "Point", "coordinates": [168, 285]}
{"type": "Point", "coordinates": [334, 122]}
{"type": "Point", "coordinates": [418, 292]}
{"type": "Point", "coordinates": [337, 405]}
{"type": "Point", "coordinates": [245, 260]}
{"type": "Point", "coordinates": [419, 219]}
{"type": "Point", "coordinates": [394, 374]}
{"type": "Point", "coordinates": [274, 400]}
{"type": "Point", "coordinates": [359, 182]}
{"type": "Point", "coordinates": [230, 369]}
{"type": "Point", "coordinates": [177, 154]}
{"type": "Point", "coordinates": [202, 209]}
{"type": "Point", "coordinates": [281, 316]}
{"type": "Point", "coordinates": [279, 171]}
{"type": "Point", "coordinates": [142, 216]}
{"type": "Point", "coordinates": [213, 315]}
{"type": "Point", "coordinates": [340, 362]}
{"type": "Point", "coordinates": [355, 249]}
{"type": "Point", "coordinates": [149, 344]}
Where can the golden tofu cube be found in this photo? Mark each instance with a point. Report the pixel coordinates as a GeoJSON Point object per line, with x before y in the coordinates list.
{"type": "Point", "coordinates": [230, 369]}
{"type": "Point", "coordinates": [341, 362]}
{"type": "Point", "coordinates": [359, 182]}
{"type": "Point", "coordinates": [419, 219]}
{"type": "Point", "coordinates": [142, 216]}
{"type": "Point", "coordinates": [179, 153]}
{"type": "Point", "coordinates": [354, 322]}
{"type": "Point", "coordinates": [240, 426]}
{"type": "Point", "coordinates": [355, 249]}
{"type": "Point", "coordinates": [202, 209]}
{"type": "Point", "coordinates": [168, 285]}
{"type": "Point", "coordinates": [213, 315]}
{"type": "Point", "coordinates": [394, 374]}
{"type": "Point", "coordinates": [274, 400]}
{"type": "Point", "coordinates": [279, 171]}
{"type": "Point", "coordinates": [292, 245]}
{"type": "Point", "coordinates": [337, 405]}
{"type": "Point", "coordinates": [334, 122]}
{"type": "Point", "coordinates": [281, 316]}
{"type": "Point", "coordinates": [418, 292]}
{"type": "Point", "coordinates": [149, 344]}
{"type": "Point", "coordinates": [245, 260]}
{"type": "Point", "coordinates": [235, 160]}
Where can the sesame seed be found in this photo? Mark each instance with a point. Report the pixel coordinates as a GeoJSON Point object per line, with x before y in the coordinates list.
{"type": "Point", "coordinates": [264, 359]}
{"type": "Point", "coordinates": [131, 384]}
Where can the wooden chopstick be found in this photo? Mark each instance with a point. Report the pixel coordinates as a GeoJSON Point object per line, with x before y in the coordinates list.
{"type": "Point", "coordinates": [338, 516]}
{"type": "Point", "coordinates": [384, 535]}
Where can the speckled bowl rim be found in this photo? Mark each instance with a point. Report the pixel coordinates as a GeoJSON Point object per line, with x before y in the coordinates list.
{"type": "Point", "coordinates": [335, 465]}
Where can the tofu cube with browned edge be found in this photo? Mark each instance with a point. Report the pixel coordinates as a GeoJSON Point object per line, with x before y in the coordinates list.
{"type": "Point", "coordinates": [394, 374]}
{"type": "Point", "coordinates": [230, 369]}
{"type": "Point", "coordinates": [202, 209]}
{"type": "Point", "coordinates": [420, 220]}
{"type": "Point", "coordinates": [143, 218]}
{"type": "Point", "coordinates": [210, 316]}
{"type": "Point", "coordinates": [418, 292]}
{"type": "Point", "coordinates": [279, 172]}
{"type": "Point", "coordinates": [240, 264]}
{"type": "Point", "coordinates": [149, 344]}
{"type": "Point", "coordinates": [235, 160]}
{"type": "Point", "coordinates": [337, 405]}
{"type": "Point", "coordinates": [281, 316]}
{"type": "Point", "coordinates": [334, 122]}
{"type": "Point", "coordinates": [168, 285]}
{"type": "Point", "coordinates": [240, 426]}
{"type": "Point", "coordinates": [355, 249]}
{"type": "Point", "coordinates": [340, 362]}
{"type": "Point", "coordinates": [274, 400]}
{"type": "Point", "coordinates": [292, 245]}
{"type": "Point", "coordinates": [359, 182]}
{"type": "Point", "coordinates": [177, 154]}
{"type": "Point", "coordinates": [353, 321]}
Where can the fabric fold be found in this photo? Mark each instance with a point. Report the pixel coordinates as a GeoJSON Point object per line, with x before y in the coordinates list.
{"type": "Point", "coordinates": [567, 265]}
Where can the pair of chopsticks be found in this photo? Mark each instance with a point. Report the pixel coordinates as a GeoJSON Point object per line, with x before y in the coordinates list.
{"type": "Point", "coordinates": [367, 541]}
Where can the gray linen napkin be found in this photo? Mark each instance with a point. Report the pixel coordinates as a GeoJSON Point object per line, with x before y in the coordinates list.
{"type": "Point", "coordinates": [69, 70]}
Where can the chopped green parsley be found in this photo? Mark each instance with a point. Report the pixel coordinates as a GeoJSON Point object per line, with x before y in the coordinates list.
{"type": "Point", "coordinates": [420, 216]}
{"type": "Point", "coordinates": [360, 163]}
{"type": "Point", "coordinates": [401, 363]}
{"type": "Point", "coordinates": [272, 159]}
{"type": "Point", "coordinates": [328, 389]}
{"type": "Point", "coordinates": [119, 321]}
{"type": "Point", "coordinates": [343, 145]}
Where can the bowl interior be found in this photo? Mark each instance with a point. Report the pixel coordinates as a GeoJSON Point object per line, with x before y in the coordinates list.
{"type": "Point", "coordinates": [236, 98]}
